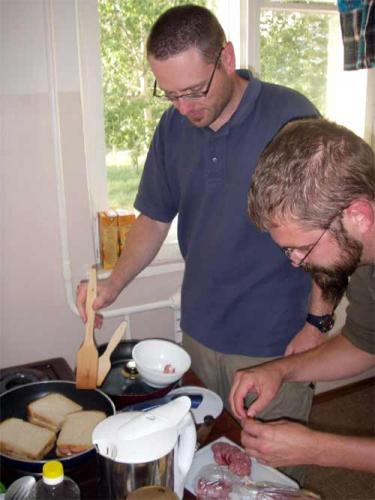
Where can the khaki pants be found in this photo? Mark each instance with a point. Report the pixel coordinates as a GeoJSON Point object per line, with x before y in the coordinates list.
{"type": "Point", "coordinates": [216, 371]}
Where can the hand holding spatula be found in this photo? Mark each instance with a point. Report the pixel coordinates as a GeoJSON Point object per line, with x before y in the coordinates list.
{"type": "Point", "coordinates": [87, 356]}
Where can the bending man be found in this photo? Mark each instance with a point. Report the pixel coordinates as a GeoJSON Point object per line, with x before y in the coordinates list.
{"type": "Point", "coordinates": [314, 192]}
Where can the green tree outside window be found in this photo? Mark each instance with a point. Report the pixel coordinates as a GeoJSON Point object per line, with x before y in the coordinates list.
{"type": "Point", "coordinates": [130, 112]}
{"type": "Point", "coordinates": [294, 53]}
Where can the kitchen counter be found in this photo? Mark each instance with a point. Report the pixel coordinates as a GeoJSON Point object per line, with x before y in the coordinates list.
{"type": "Point", "coordinates": [224, 425]}
{"type": "Point", "coordinates": [88, 474]}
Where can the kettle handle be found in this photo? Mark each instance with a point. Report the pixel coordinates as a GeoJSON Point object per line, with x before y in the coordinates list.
{"type": "Point", "coordinates": [184, 453]}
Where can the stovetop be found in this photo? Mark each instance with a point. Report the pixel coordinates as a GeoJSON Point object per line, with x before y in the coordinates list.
{"type": "Point", "coordinates": [50, 369]}
{"type": "Point", "coordinates": [87, 475]}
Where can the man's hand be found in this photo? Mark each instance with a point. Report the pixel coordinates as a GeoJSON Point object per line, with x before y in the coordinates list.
{"type": "Point", "coordinates": [280, 443]}
{"type": "Point", "coordinates": [308, 338]}
{"type": "Point", "coordinates": [106, 295]}
{"type": "Point", "coordinates": [264, 380]}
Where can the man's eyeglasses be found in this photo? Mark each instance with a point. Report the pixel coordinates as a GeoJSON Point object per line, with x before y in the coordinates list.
{"type": "Point", "coordinates": [289, 251]}
{"type": "Point", "coordinates": [189, 95]}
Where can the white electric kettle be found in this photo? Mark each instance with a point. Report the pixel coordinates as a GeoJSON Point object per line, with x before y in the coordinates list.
{"type": "Point", "coordinates": [154, 447]}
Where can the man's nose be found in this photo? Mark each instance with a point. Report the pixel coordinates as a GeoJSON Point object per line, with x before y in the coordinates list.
{"type": "Point", "coordinates": [183, 105]}
{"type": "Point", "coordinates": [296, 257]}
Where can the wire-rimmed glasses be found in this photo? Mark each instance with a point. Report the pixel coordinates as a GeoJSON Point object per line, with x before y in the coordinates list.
{"type": "Point", "coordinates": [189, 95]}
{"type": "Point", "coordinates": [289, 250]}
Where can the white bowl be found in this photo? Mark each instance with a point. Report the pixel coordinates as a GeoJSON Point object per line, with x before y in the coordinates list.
{"type": "Point", "coordinates": [153, 355]}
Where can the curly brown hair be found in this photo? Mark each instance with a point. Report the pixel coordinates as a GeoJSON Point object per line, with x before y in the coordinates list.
{"type": "Point", "coordinates": [185, 26]}
{"type": "Point", "coordinates": [310, 172]}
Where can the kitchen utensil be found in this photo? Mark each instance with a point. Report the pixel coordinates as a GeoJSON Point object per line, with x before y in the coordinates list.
{"type": "Point", "coordinates": [87, 356]}
{"type": "Point", "coordinates": [13, 403]}
{"type": "Point", "coordinates": [204, 430]}
{"type": "Point", "coordinates": [20, 488]}
{"type": "Point", "coordinates": [104, 364]}
{"type": "Point", "coordinates": [120, 387]}
{"type": "Point", "coordinates": [196, 400]}
{"type": "Point", "coordinates": [212, 403]}
{"type": "Point", "coordinates": [139, 449]}
{"type": "Point", "coordinates": [160, 362]}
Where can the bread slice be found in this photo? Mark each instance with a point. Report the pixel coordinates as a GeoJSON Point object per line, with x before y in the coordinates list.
{"type": "Point", "coordinates": [50, 411]}
{"type": "Point", "coordinates": [20, 439]}
{"type": "Point", "coordinates": [76, 433]}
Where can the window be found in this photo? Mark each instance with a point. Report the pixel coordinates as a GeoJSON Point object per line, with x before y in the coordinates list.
{"type": "Point", "coordinates": [293, 44]}
{"type": "Point", "coordinates": [300, 46]}
{"type": "Point", "coordinates": [131, 114]}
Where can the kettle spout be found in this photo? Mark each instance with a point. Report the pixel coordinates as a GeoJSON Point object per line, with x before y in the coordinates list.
{"type": "Point", "coordinates": [106, 449]}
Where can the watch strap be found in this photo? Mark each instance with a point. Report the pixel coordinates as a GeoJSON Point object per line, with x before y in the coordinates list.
{"type": "Point", "coordinates": [324, 323]}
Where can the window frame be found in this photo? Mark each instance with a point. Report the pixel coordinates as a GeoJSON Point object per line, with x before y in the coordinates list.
{"type": "Point", "coordinates": [250, 51]}
{"type": "Point", "coordinates": [241, 23]}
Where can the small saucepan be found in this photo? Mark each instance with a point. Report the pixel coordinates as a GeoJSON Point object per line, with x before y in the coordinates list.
{"type": "Point", "coordinates": [123, 383]}
{"type": "Point", "coordinates": [13, 403]}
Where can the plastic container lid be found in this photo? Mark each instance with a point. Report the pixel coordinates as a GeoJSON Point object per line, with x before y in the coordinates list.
{"type": "Point", "coordinates": [53, 472]}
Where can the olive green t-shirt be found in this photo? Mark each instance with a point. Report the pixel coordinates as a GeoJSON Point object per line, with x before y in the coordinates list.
{"type": "Point", "coordinates": [359, 328]}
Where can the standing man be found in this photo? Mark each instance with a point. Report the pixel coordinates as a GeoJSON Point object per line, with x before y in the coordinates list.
{"type": "Point", "coordinates": [314, 192]}
{"type": "Point", "coordinates": [241, 303]}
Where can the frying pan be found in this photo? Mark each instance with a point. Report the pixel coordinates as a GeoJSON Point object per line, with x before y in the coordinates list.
{"type": "Point", "coordinates": [13, 403]}
{"type": "Point", "coordinates": [122, 390]}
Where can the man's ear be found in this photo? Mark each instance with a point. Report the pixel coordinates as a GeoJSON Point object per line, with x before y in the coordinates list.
{"type": "Point", "coordinates": [360, 216]}
{"type": "Point", "coordinates": [228, 58]}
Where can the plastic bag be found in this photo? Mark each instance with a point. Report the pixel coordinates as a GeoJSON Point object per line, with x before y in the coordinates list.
{"type": "Point", "coordinates": [218, 482]}
{"type": "Point", "coordinates": [215, 481]}
{"type": "Point", "coordinates": [272, 491]}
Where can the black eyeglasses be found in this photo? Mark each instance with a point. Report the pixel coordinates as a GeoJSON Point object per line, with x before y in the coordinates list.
{"type": "Point", "coordinates": [190, 96]}
{"type": "Point", "coordinates": [288, 251]}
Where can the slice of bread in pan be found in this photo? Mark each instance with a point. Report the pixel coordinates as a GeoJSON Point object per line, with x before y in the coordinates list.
{"type": "Point", "coordinates": [76, 433]}
{"type": "Point", "coordinates": [20, 439]}
{"type": "Point", "coordinates": [50, 411]}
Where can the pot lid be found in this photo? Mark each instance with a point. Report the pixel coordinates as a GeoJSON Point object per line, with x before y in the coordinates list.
{"type": "Point", "coordinates": [138, 437]}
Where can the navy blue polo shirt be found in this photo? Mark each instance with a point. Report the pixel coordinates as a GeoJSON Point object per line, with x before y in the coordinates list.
{"type": "Point", "coordinates": [240, 294]}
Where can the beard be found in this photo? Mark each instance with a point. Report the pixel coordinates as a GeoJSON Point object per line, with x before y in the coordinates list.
{"type": "Point", "coordinates": [334, 281]}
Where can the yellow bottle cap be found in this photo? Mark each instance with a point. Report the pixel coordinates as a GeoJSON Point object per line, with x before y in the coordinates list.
{"type": "Point", "coordinates": [53, 469]}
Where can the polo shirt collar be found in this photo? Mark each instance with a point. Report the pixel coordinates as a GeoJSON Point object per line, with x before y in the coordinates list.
{"type": "Point", "coordinates": [249, 98]}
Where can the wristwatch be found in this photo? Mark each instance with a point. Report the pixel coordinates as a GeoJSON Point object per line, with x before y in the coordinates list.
{"type": "Point", "coordinates": [323, 323]}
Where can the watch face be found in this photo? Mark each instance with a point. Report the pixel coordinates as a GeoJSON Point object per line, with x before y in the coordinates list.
{"type": "Point", "coordinates": [326, 324]}
{"type": "Point", "coordinates": [323, 323]}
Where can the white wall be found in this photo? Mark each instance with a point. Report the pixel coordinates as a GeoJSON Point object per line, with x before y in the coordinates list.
{"type": "Point", "coordinates": [36, 321]}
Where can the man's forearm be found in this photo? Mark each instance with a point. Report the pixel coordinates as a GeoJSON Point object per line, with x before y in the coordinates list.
{"type": "Point", "coordinates": [337, 358]}
{"type": "Point", "coordinates": [142, 244]}
{"type": "Point", "coordinates": [349, 452]}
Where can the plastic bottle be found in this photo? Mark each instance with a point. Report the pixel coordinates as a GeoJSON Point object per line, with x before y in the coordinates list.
{"type": "Point", "coordinates": [54, 485]}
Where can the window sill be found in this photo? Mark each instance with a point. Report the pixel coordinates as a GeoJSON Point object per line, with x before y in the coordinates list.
{"type": "Point", "coordinates": [168, 260]}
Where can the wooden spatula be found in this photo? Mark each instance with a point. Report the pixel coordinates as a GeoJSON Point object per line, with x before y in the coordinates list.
{"type": "Point", "coordinates": [87, 356]}
{"type": "Point", "coordinates": [104, 360]}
